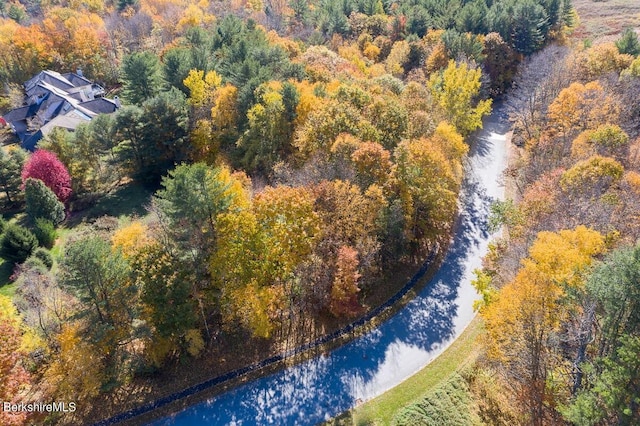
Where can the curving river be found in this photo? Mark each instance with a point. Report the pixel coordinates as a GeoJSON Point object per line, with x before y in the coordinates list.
{"type": "Point", "coordinates": [324, 387]}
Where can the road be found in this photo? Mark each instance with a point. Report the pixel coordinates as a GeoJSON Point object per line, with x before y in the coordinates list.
{"type": "Point", "coordinates": [371, 364]}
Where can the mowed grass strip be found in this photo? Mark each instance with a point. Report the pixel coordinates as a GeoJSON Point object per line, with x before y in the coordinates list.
{"type": "Point", "coordinates": [382, 410]}
{"type": "Point", "coordinates": [450, 403]}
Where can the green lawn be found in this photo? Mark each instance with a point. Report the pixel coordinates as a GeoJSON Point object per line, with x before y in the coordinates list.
{"type": "Point", "coordinates": [382, 410]}
{"type": "Point", "coordinates": [129, 200]}
{"type": "Point", "coordinates": [6, 288]}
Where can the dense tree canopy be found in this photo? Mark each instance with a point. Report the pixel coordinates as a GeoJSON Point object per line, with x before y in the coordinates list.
{"type": "Point", "coordinates": [561, 330]}
{"type": "Point", "coordinates": [17, 243]}
{"type": "Point", "coordinates": [141, 77]}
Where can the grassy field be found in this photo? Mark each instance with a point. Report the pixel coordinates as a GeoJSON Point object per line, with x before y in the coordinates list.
{"type": "Point", "coordinates": [605, 19]}
{"type": "Point", "coordinates": [383, 409]}
{"type": "Point", "coordinates": [448, 404]}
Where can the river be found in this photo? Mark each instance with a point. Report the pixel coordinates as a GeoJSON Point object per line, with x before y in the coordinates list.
{"type": "Point", "coordinates": [321, 388]}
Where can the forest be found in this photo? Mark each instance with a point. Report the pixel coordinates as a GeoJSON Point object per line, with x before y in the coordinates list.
{"type": "Point", "coordinates": [273, 161]}
{"type": "Point", "coordinates": [560, 292]}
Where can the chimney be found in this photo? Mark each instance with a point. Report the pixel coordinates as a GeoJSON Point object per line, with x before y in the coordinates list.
{"type": "Point", "coordinates": [79, 72]}
{"type": "Point", "coordinates": [116, 99]}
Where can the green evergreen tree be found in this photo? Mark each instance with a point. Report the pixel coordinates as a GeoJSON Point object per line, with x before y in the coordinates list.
{"type": "Point", "coordinates": [141, 77]}
{"type": "Point", "coordinates": [628, 43]}
{"type": "Point", "coordinates": [568, 14]}
{"type": "Point", "coordinates": [530, 27]}
{"type": "Point", "coordinates": [418, 21]}
{"type": "Point", "coordinates": [553, 9]}
{"type": "Point", "coordinates": [130, 137]}
{"type": "Point", "coordinates": [45, 232]}
{"type": "Point", "coordinates": [464, 45]}
{"type": "Point", "coordinates": [164, 124]}
{"type": "Point", "coordinates": [192, 198]}
{"type": "Point", "coordinates": [615, 286]}
{"type": "Point", "coordinates": [612, 394]}
{"type": "Point", "coordinates": [152, 137]}
{"type": "Point", "coordinates": [472, 18]}
{"type": "Point", "coordinates": [99, 277]}
{"type": "Point", "coordinates": [17, 243]}
{"type": "Point", "coordinates": [123, 4]}
{"type": "Point", "coordinates": [17, 12]}
{"type": "Point", "coordinates": [11, 165]}
{"type": "Point", "coordinates": [41, 202]}
{"type": "Point", "coordinates": [103, 133]}
{"type": "Point", "coordinates": [175, 67]}
{"type": "Point", "coordinates": [44, 256]}
{"type": "Point", "coordinates": [500, 20]}
{"type": "Point", "coordinates": [300, 10]}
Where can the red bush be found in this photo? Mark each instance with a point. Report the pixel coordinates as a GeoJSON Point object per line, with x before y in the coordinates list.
{"type": "Point", "coordinates": [44, 165]}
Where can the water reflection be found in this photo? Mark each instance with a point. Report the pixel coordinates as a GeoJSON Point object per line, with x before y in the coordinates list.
{"type": "Point", "coordinates": [322, 388]}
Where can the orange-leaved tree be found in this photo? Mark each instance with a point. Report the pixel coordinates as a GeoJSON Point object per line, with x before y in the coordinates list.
{"type": "Point", "coordinates": [344, 291]}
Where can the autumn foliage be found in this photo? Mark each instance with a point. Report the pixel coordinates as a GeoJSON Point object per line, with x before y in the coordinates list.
{"type": "Point", "coordinates": [45, 166]}
{"type": "Point", "coordinates": [300, 151]}
{"type": "Point", "coordinates": [556, 309]}
{"type": "Point", "coordinates": [344, 291]}
{"type": "Point", "coordinates": [13, 376]}
{"type": "Point", "coordinates": [529, 310]}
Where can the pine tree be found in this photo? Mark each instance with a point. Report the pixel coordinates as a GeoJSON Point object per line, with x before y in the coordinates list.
{"type": "Point", "coordinates": [41, 202]}
{"type": "Point", "coordinates": [628, 43]}
{"type": "Point", "coordinates": [11, 165]}
{"type": "Point", "coordinates": [17, 243]}
{"type": "Point", "coordinates": [141, 77]}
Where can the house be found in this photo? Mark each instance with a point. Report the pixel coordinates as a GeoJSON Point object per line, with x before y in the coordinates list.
{"type": "Point", "coordinates": [56, 100]}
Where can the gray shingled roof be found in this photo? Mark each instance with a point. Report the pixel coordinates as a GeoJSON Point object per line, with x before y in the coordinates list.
{"type": "Point", "coordinates": [100, 106]}
{"type": "Point", "coordinates": [56, 100]}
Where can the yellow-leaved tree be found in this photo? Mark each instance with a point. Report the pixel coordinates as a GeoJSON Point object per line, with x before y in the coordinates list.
{"type": "Point", "coordinates": [202, 87]}
{"type": "Point", "coordinates": [257, 253]}
{"type": "Point", "coordinates": [77, 370]}
{"type": "Point", "coordinates": [428, 183]}
{"type": "Point", "coordinates": [14, 378]}
{"type": "Point", "coordinates": [523, 320]}
{"type": "Point", "coordinates": [455, 90]}
{"type": "Point", "coordinates": [131, 239]}
{"type": "Point", "coordinates": [582, 106]}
